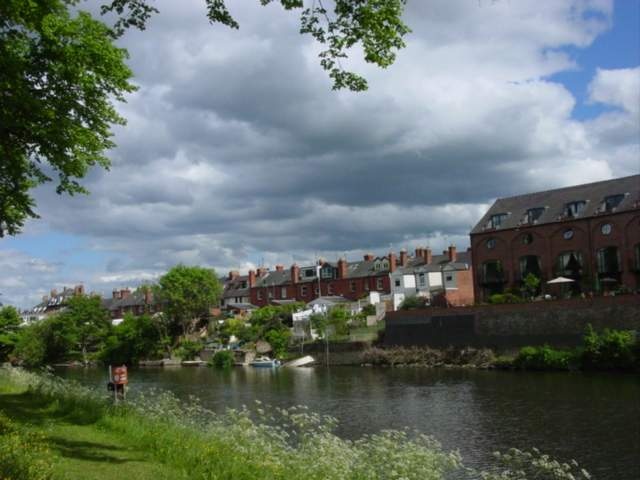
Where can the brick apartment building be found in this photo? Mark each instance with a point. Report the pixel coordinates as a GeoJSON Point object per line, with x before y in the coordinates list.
{"type": "Point", "coordinates": [589, 233]}
{"type": "Point", "coordinates": [125, 301]}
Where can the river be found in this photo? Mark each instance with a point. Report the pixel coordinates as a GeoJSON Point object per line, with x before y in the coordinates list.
{"type": "Point", "coordinates": [592, 418]}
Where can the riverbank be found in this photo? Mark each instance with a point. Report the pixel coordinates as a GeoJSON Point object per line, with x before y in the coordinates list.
{"type": "Point", "coordinates": [157, 433]}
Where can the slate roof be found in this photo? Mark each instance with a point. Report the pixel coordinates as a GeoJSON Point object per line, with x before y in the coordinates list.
{"type": "Point", "coordinates": [416, 264]}
{"type": "Point", "coordinates": [53, 302]}
{"type": "Point", "coordinates": [233, 287]}
{"type": "Point", "coordinates": [554, 201]}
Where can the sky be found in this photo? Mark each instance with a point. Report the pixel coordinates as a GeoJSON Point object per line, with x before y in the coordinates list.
{"type": "Point", "coordinates": [238, 153]}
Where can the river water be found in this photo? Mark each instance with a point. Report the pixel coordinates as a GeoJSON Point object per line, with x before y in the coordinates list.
{"type": "Point", "coordinates": [592, 418]}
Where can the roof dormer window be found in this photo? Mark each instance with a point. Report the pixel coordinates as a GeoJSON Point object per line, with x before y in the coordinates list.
{"type": "Point", "coordinates": [574, 209]}
{"type": "Point", "coordinates": [612, 201]}
{"type": "Point", "coordinates": [497, 220]}
{"type": "Point", "coordinates": [533, 214]}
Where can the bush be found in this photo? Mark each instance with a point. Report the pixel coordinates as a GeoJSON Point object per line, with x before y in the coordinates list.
{"type": "Point", "coordinates": [500, 298]}
{"type": "Point", "coordinates": [223, 359]}
{"type": "Point", "coordinates": [279, 341]}
{"type": "Point", "coordinates": [610, 350]}
{"type": "Point", "coordinates": [189, 350]}
{"type": "Point", "coordinates": [412, 303]}
{"type": "Point", "coordinates": [545, 358]}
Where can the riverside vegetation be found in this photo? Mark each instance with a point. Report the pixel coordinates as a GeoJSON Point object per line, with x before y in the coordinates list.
{"type": "Point", "coordinates": [173, 439]}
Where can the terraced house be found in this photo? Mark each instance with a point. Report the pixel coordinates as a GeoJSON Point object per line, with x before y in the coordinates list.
{"type": "Point", "coordinates": [588, 233]}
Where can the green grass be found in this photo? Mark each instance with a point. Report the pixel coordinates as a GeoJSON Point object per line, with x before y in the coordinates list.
{"type": "Point", "coordinates": [80, 447]}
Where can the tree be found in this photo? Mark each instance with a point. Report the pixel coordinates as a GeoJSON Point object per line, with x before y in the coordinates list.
{"type": "Point", "coordinates": [531, 285]}
{"type": "Point", "coordinates": [135, 339]}
{"type": "Point", "coordinates": [59, 75]}
{"type": "Point", "coordinates": [46, 342]}
{"type": "Point", "coordinates": [374, 24]}
{"type": "Point", "coordinates": [9, 324]}
{"type": "Point", "coordinates": [87, 321]}
{"type": "Point", "coordinates": [188, 294]}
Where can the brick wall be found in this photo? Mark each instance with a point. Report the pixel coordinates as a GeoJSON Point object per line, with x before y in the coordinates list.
{"type": "Point", "coordinates": [560, 323]}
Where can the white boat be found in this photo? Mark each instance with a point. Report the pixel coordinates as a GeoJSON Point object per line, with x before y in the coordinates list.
{"type": "Point", "coordinates": [300, 362]}
{"type": "Point", "coordinates": [265, 362]}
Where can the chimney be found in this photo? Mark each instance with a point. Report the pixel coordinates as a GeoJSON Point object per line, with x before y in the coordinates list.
{"type": "Point", "coordinates": [54, 293]}
{"type": "Point", "coordinates": [368, 257]}
{"type": "Point", "coordinates": [427, 255]}
{"type": "Point", "coordinates": [45, 298]}
{"type": "Point", "coordinates": [418, 252]}
{"type": "Point", "coordinates": [148, 296]}
{"type": "Point", "coordinates": [262, 271]}
{"type": "Point", "coordinates": [78, 290]}
{"type": "Point", "coordinates": [233, 274]}
{"type": "Point", "coordinates": [404, 258]}
{"type": "Point", "coordinates": [453, 254]}
{"type": "Point", "coordinates": [115, 294]}
{"type": "Point", "coordinates": [342, 268]}
{"type": "Point", "coordinates": [295, 273]}
{"type": "Point", "coordinates": [125, 292]}
{"type": "Point", "coordinates": [252, 279]}
{"type": "Point", "coordinates": [279, 268]}
{"type": "Point", "coordinates": [392, 262]}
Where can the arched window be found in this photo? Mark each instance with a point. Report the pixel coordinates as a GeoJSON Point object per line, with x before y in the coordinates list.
{"type": "Point", "coordinates": [530, 264]}
{"type": "Point", "coordinates": [492, 272]}
{"type": "Point", "coordinates": [569, 264]}
{"type": "Point", "coordinates": [608, 260]}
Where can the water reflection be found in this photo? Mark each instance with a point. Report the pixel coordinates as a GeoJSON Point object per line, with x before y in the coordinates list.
{"type": "Point", "coordinates": [592, 418]}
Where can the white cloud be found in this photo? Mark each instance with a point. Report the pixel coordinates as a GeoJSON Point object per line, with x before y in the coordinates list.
{"type": "Point", "coordinates": [619, 87]}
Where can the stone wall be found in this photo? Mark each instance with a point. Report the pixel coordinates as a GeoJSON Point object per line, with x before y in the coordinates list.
{"type": "Point", "coordinates": [558, 323]}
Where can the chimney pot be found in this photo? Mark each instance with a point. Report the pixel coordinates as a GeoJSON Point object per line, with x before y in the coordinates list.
{"type": "Point", "coordinates": [427, 256]}
{"type": "Point", "coordinates": [233, 274]}
{"type": "Point", "coordinates": [392, 262]}
{"type": "Point", "coordinates": [279, 268]}
{"type": "Point", "coordinates": [453, 254]}
{"type": "Point", "coordinates": [342, 268]}
{"type": "Point", "coordinates": [368, 257]}
{"type": "Point", "coordinates": [295, 273]}
{"type": "Point", "coordinates": [404, 259]}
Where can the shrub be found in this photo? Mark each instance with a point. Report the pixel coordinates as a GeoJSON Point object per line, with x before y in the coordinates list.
{"type": "Point", "coordinates": [500, 298]}
{"type": "Point", "coordinates": [610, 350]}
{"type": "Point", "coordinates": [279, 341]}
{"type": "Point", "coordinates": [189, 350]}
{"type": "Point", "coordinates": [545, 358]}
{"type": "Point", "coordinates": [223, 359]}
{"type": "Point", "coordinates": [412, 303]}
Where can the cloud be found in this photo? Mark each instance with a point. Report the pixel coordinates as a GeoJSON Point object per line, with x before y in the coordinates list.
{"type": "Point", "coordinates": [237, 151]}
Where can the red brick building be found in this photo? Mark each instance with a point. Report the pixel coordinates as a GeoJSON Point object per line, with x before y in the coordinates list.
{"type": "Point", "coordinates": [589, 233]}
{"type": "Point", "coordinates": [351, 280]}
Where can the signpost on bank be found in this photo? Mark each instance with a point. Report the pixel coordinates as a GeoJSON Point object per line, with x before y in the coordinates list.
{"type": "Point", "coordinates": [118, 379]}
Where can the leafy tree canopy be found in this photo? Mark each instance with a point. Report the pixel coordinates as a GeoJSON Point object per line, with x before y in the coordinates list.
{"type": "Point", "coordinates": [376, 25]}
{"type": "Point", "coordinates": [188, 294]}
{"type": "Point", "coordinates": [59, 75]}
{"type": "Point", "coordinates": [9, 324]}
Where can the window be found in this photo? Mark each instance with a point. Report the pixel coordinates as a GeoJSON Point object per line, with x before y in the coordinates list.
{"type": "Point", "coordinates": [283, 292]}
{"type": "Point", "coordinates": [608, 260]}
{"type": "Point", "coordinates": [366, 284]}
{"type": "Point", "coordinates": [533, 214]}
{"type": "Point", "coordinates": [243, 284]}
{"type": "Point", "coordinates": [527, 239]}
{"type": "Point", "coordinates": [569, 264]}
{"type": "Point", "coordinates": [497, 220]}
{"type": "Point", "coordinates": [327, 272]}
{"type": "Point", "coordinates": [352, 286]}
{"type": "Point", "coordinates": [422, 281]}
{"type": "Point", "coordinates": [574, 209]}
{"type": "Point", "coordinates": [315, 290]}
{"type": "Point", "coordinates": [492, 272]}
{"type": "Point", "coordinates": [309, 273]}
{"type": "Point", "coordinates": [606, 229]}
{"type": "Point", "coordinates": [491, 243]}
{"type": "Point", "coordinates": [449, 278]}
{"type": "Point", "coordinates": [397, 282]}
{"type": "Point", "coordinates": [330, 289]}
{"type": "Point", "coordinates": [568, 234]}
{"type": "Point", "coordinates": [259, 294]}
{"type": "Point", "coordinates": [269, 294]}
{"type": "Point", "coordinates": [303, 291]}
{"type": "Point", "coordinates": [379, 284]}
{"type": "Point", "coordinates": [530, 264]}
{"type": "Point", "coordinates": [612, 201]}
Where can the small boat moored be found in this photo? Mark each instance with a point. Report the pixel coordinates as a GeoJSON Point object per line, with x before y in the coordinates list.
{"type": "Point", "coordinates": [265, 362]}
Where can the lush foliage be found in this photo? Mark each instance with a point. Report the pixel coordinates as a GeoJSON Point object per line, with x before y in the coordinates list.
{"type": "Point", "coordinates": [23, 454]}
{"type": "Point", "coordinates": [188, 293]}
{"type": "Point", "coordinates": [87, 321]}
{"type": "Point", "coordinates": [9, 324]}
{"type": "Point", "coordinates": [499, 298]}
{"type": "Point", "coordinates": [376, 26]}
{"type": "Point", "coordinates": [223, 359]}
{"type": "Point", "coordinates": [189, 350]}
{"type": "Point", "coordinates": [531, 285]}
{"type": "Point", "coordinates": [546, 358]}
{"type": "Point", "coordinates": [611, 350]}
{"type": "Point", "coordinates": [46, 342]}
{"type": "Point", "coordinates": [59, 74]}
{"type": "Point", "coordinates": [135, 339]}
{"type": "Point", "coordinates": [277, 444]}
{"type": "Point", "coordinates": [279, 341]}
{"type": "Point", "coordinates": [412, 303]}
{"type": "Point", "coordinates": [334, 324]}
{"type": "Point", "coordinates": [426, 356]}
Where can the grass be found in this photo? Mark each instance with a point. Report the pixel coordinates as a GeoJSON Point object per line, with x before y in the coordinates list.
{"type": "Point", "coordinates": [80, 447]}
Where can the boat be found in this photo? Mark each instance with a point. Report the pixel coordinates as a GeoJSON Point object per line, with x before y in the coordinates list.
{"type": "Point", "coordinates": [265, 362]}
{"type": "Point", "coordinates": [300, 362]}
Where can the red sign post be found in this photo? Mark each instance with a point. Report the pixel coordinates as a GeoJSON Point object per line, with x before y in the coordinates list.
{"type": "Point", "coordinates": [120, 375]}
{"type": "Point", "coordinates": [118, 379]}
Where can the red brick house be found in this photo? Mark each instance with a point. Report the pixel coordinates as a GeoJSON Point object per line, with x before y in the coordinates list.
{"type": "Point", "coordinates": [589, 233]}
{"type": "Point", "coordinates": [351, 280]}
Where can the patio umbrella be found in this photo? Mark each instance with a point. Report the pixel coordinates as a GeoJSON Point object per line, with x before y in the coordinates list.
{"type": "Point", "coordinates": [560, 280]}
{"type": "Point", "coordinates": [608, 280]}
